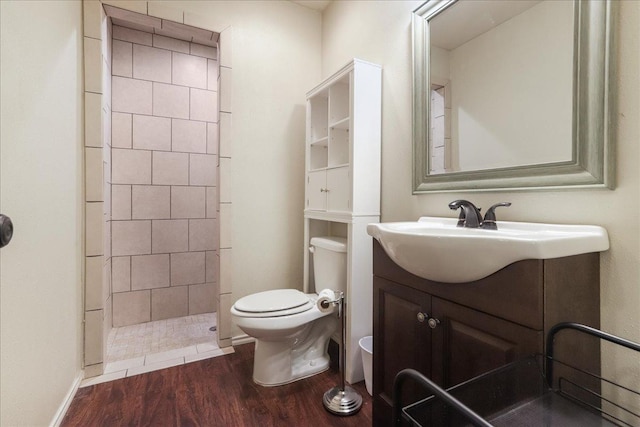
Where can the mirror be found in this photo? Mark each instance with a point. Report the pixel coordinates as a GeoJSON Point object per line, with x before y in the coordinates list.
{"type": "Point", "coordinates": [512, 94]}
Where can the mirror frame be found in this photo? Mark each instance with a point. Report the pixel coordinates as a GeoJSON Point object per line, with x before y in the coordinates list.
{"type": "Point", "coordinates": [593, 160]}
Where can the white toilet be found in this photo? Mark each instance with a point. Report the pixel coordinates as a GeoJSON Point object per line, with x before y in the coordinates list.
{"type": "Point", "coordinates": [291, 333]}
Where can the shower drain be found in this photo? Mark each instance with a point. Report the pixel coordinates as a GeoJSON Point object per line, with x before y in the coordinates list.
{"type": "Point", "coordinates": [213, 328]}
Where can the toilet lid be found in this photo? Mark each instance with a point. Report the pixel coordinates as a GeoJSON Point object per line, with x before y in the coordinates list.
{"type": "Point", "coordinates": [272, 302]}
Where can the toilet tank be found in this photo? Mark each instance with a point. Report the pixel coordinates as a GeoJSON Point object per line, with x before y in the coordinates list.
{"type": "Point", "coordinates": [329, 263]}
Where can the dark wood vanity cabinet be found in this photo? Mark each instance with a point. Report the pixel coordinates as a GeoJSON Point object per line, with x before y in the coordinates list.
{"type": "Point", "coordinates": [453, 332]}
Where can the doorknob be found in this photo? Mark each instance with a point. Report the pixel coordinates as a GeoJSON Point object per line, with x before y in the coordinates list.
{"type": "Point", "coordinates": [6, 230]}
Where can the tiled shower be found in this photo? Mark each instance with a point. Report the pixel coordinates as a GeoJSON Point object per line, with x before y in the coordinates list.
{"type": "Point", "coordinates": [157, 135]}
{"type": "Point", "coordinates": [164, 156]}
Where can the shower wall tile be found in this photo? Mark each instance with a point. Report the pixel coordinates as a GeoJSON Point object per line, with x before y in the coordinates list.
{"type": "Point", "coordinates": [93, 350]}
{"type": "Point", "coordinates": [92, 19]}
{"type": "Point", "coordinates": [187, 268]}
{"type": "Point", "coordinates": [120, 202]}
{"type": "Point", "coordinates": [170, 168]}
{"type": "Point", "coordinates": [212, 202]}
{"type": "Point", "coordinates": [224, 316]}
{"type": "Point", "coordinates": [202, 169]}
{"type": "Point", "coordinates": [150, 63]}
{"type": "Point", "coordinates": [164, 202]}
{"type": "Point", "coordinates": [170, 236]}
{"type": "Point", "coordinates": [202, 298]}
{"type": "Point", "coordinates": [212, 74]}
{"type": "Point", "coordinates": [226, 271]}
{"type": "Point", "coordinates": [151, 133]}
{"type": "Point", "coordinates": [121, 273]}
{"type": "Point", "coordinates": [149, 271]}
{"type": "Point", "coordinates": [213, 134]}
{"type": "Point", "coordinates": [122, 61]}
{"type": "Point", "coordinates": [121, 130]}
{"type": "Point", "coordinates": [133, 36]}
{"type": "Point", "coordinates": [170, 43]}
{"type": "Point", "coordinates": [226, 124]}
{"type": "Point", "coordinates": [92, 65]}
{"type": "Point", "coordinates": [93, 174]}
{"type": "Point", "coordinates": [209, 52]}
{"type": "Point", "coordinates": [93, 283]}
{"type": "Point", "coordinates": [94, 228]}
{"type": "Point", "coordinates": [170, 101]}
{"type": "Point", "coordinates": [130, 308]}
{"type": "Point", "coordinates": [131, 238]}
{"type": "Point", "coordinates": [92, 119]}
{"type": "Point", "coordinates": [187, 202]}
{"type": "Point", "coordinates": [189, 70]}
{"type": "Point", "coordinates": [188, 136]}
{"type": "Point", "coordinates": [210, 266]}
{"type": "Point", "coordinates": [204, 105]}
{"type": "Point", "coordinates": [202, 234]}
{"type": "Point", "coordinates": [225, 180]}
{"type": "Point", "coordinates": [225, 225]}
{"type": "Point", "coordinates": [150, 202]}
{"type": "Point", "coordinates": [107, 286]}
{"type": "Point", "coordinates": [131, 166]}
{"type": "Point", "coordinates": [226, 85]}
{"type": "Point", "coordinates": [169, 302]}
{"type": "Point", "coordinates": [131, 96]}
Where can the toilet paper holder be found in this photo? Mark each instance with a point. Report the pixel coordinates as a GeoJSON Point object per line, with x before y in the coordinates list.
{"type": "Point", "coordinates": [341, 400]}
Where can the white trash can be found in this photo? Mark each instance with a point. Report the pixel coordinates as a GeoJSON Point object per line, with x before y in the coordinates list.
{"type": "Point", "coordinates": [366, 346]}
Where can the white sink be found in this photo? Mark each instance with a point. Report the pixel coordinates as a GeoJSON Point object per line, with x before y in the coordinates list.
{"type": "Point", "coordinates": [435, 249]}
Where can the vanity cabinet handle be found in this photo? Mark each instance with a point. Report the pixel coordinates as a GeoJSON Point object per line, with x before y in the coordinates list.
{"type": "Point", "coordinates": [433, 322]}
{"type": "Point", "coordinates": [422, 317]}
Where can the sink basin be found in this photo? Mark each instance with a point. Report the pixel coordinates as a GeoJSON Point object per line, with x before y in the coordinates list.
{"type": "Point", "coordinates": [437, 250]}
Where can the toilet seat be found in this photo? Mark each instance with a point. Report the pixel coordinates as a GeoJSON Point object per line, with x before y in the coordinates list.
{"type": "Point", "coordinates": [279, 302]}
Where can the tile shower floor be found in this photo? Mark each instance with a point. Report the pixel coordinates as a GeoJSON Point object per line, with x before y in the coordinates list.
{"type": "Point", "coordinates": [137, 349]}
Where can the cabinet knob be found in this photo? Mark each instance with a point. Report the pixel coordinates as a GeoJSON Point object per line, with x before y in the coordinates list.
{"type": "Point", "coordinates": [324, 190]}
{"type": "Point", "coordinates": [433, 322]}
{"type": "Point", "coordinates": [422, 317]}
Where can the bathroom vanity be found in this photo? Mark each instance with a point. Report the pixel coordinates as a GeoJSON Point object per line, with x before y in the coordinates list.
{"type": "Point", "coordinates": [452, 332]}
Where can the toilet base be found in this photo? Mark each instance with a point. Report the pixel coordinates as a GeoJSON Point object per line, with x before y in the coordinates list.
{"type": "Point", "coordinates": [304, 370]}
{"type": "Point", "coordinates": [278, 362]}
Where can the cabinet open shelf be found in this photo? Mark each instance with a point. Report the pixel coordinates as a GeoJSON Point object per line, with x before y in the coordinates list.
{"type": "Point", "coordinates": [340, 124]}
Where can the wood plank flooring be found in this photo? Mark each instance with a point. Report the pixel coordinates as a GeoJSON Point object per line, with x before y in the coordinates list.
{"type": "Point", "coordinates": [212, 392]}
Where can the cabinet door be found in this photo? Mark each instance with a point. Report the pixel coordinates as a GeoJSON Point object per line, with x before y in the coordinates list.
{"type": "Point", "coordinates": [467, 342]}
{"type": "Point", "coordinates": [338, 186]}
{"type": "Point", "coordinates": [316, 190]}
{"type": "Point", "coordinates": [400, 341]}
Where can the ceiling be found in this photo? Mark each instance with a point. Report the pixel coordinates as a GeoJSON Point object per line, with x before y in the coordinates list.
{"type": "Point", "coordinates": [319, 5]}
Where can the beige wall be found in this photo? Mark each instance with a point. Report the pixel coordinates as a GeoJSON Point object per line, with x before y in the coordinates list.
{"type": "Point", "coordinates": [41, 175]}
{"type": "Point", "coordinates": [380, 31]}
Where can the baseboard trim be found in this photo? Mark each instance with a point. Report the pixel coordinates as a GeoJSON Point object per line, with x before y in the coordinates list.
{"type": "Point", "coordinates": [66, 402]}
{"type": "Point", "coordinates": [242, 339]}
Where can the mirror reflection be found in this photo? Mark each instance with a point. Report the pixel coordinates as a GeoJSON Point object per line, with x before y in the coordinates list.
{"type": "Point", "coordinates": [501, 85]}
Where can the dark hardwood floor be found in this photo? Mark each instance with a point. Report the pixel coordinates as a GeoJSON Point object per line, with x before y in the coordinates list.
{"type": "Point", "coordinates": [212, 392]}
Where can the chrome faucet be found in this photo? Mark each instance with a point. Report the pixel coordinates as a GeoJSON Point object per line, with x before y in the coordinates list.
{"type": "Point", "coordinates": [470, 216]}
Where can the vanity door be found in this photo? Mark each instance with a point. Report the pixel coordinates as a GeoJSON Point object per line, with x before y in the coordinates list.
{"type": "Point", "coordinates": [402, 340]}
{"type": "Point", "coordinates": [467, 342]}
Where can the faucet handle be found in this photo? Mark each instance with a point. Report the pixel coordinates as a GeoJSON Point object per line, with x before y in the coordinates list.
{"type": "Point", "coordinates": [489, 221]}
